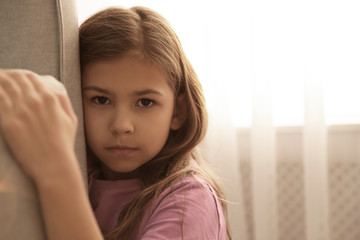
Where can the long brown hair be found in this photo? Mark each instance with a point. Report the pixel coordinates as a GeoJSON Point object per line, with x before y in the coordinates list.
{"type": "Point", "coordinates": [114, 32]}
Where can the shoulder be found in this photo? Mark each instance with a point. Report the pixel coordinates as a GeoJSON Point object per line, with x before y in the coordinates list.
{"type": "Point", "coordinates": [187, 209]}
{"type": "Point", "coordinates": [189, 191]}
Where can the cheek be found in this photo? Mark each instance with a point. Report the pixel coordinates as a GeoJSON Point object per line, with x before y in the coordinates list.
{"type": "Point", "coordinates": [159, 125]}
{"type": "Point", "coordinates": [160, 119]}
{"type": "Point", "coordinates": [155, 138]}
{"type": "Point", "coordinates": [89, 133]}
{"type": "Point", "coordinates": [93, 126]}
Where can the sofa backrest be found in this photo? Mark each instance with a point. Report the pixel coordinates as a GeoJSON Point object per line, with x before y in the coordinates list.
{"type": "Point", "coordinates": [41, 36]}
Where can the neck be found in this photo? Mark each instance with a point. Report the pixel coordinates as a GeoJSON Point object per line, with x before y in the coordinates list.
{"type": "Point", "coordinates": [109, 174]}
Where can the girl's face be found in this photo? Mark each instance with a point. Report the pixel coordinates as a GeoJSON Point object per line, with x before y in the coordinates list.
{"type": "Point", "coordinates": [128, 110]}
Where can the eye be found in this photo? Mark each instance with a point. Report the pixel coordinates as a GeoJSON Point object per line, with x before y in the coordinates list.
{"type": "Point", "coordinates": [100, 100]}
{"type": "Point", "coordinates": [145, 102]}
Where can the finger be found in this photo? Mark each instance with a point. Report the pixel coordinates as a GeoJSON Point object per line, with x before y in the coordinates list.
{"type": "Point", "coordinates": [46, 84]}
{"type": "Point", "coordinates": [57, 88]}
{"type": "Point", "coordinates": [53, 91]}
{"type": "Point", "coordinates": [67, 105]}
{"type": "Point", "coordinates": [43, 92]}
{"type": "Point", "coordinates": [37, 83]}
{"type": "Point", "coordinates": [10, 86]}
{"type": "Point", "coordinates": [5, 102]}
{"type": "Point", "coordinates": [21, 77]}
{"type": "Point", "coordinates": [53, 83]}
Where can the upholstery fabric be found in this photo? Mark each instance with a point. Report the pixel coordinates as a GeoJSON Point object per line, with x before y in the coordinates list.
{"type": "Point", "coordinates": [42, 36]}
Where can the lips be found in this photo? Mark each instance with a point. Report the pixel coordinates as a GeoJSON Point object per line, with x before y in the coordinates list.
{"type": "Point", "coordinates": [121, 150]}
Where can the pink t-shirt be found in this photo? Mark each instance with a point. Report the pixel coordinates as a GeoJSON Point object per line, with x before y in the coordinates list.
{"type": "Point", "coordinates": [188, 201]}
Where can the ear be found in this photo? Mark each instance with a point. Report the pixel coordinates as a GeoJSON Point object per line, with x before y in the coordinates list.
{"type": "Point", "coordinates": [180, 113]}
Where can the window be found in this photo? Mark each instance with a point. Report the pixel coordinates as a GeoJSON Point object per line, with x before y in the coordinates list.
{"type": "Point", "coordinates": [282, 42]}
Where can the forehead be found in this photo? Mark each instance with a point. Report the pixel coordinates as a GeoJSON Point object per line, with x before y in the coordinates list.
{"type": "Point", "coordinates": [128, 72]}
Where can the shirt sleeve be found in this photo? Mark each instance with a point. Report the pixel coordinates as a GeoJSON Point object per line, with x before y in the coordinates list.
{"type": "Point", "coordinates": [187, 210]}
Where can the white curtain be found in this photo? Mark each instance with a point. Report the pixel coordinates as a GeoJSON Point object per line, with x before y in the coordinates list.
{"type": "Point", "coordinates": [281, 82]}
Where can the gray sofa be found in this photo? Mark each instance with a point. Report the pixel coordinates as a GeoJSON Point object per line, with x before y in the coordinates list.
{"type": "Point", "coordinates": [42, 36]}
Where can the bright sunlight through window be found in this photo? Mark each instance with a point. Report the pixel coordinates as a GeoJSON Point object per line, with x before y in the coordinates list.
{"type": "Point", "coordinates": [285, 42]}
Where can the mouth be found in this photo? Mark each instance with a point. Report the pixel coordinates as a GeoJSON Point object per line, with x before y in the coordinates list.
{"type": "Point", "coordinates": [121, 150]}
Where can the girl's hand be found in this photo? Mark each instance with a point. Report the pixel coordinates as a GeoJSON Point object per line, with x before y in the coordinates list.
{"type": "Point", "coordinates": [38, 124]}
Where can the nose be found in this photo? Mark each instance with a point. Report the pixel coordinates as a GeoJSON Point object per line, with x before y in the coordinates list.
{"type": "Point", "coordinates": [122, 122]}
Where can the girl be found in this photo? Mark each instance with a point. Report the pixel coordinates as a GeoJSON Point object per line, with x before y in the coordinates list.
{"type": "Point", "coordinates": [144, 116]}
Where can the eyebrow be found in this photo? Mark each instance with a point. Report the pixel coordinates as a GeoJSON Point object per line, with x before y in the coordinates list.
{"type": "Point", "coordinates": [137, 93]}
{"type": "Point", "coordinates": [97, 89]}
{"type": "Point", "coordinates": [147, 91]}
